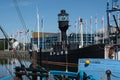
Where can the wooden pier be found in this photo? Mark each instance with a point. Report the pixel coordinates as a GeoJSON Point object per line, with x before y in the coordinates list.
{"type": "Point", "coordinates": [11, 54]}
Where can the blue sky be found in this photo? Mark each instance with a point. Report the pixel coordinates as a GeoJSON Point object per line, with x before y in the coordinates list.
{"type": "Point", "coordinates": [49, 9]}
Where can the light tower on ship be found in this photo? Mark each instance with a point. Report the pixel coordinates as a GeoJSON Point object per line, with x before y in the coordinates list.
{"type": "Point", "coordinates": [63, 23]}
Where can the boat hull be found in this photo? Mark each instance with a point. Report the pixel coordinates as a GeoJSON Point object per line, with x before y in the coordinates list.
{"type": "Point", "coordinates": [93, 51]}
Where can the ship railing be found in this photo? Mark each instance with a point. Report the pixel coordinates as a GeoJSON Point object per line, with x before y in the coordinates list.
{"type": "Point", "coordinates": [63, 75]}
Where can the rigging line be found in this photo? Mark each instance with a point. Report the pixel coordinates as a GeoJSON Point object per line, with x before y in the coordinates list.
{"type": "Point", "coordinates": [117, 76]}
{"type": "Point", "coordinates": [22, 65]}
{"type": "Point", "coordinates": [21, 17]}
{"type": "Point", "coordinates": [18, 57]}
{"type": "Point", "coordinates": [5, 34]}
{"type": "Point", "coordinates": [20, 14]}
{"type": "Point", "coordinates": [16, 53]}
{"type": "Point", "coordinates": [116, 24]}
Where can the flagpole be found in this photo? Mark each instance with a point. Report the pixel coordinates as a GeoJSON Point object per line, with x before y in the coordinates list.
{"type": "Point", "coordinates": [38, 25]}
{"type": "Point", "coordinates": [81, 32]}
{"type": "Point", "coordinates": [75, 31]}
{"type": "Point", "coordinates": [103, 28]}
{"type": "Point", "coordinates": [91, 28]}
{"type": "Point", "coordinates": [96, 23]}
{"type": "Point", "coordinates": [86, 32]}
{"type": "Point", "coordinates": [18, 35]}
{"type": "Point", "coordinates": [42, 22]}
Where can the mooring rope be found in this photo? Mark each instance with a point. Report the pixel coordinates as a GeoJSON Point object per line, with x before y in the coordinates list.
{"type": "Point", "coordinates": [117, 76]}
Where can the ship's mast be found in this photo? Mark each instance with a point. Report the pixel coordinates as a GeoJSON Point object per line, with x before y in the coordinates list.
{"type": "Point", "coordinates": [114, 9]}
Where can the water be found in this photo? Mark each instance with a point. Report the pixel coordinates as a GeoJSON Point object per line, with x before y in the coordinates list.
{"type": "Point", "coordinates": [7, 66]}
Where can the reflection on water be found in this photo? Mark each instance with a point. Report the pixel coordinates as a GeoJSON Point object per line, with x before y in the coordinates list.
{"type": "Point", "coordinates": [7, 66]}
{"type": "Point", "coordinates": [3, 61]}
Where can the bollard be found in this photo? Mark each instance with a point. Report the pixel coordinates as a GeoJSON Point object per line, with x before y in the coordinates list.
{"type": "Point", "coordinates": [108, 72]}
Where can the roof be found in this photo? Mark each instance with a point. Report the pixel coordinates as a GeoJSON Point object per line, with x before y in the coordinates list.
{"type": "Point", "coordinates": [35, 34]}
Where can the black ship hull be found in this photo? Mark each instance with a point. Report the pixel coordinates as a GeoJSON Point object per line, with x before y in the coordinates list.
{"type": "Point", "coordinates": [93, 51]}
